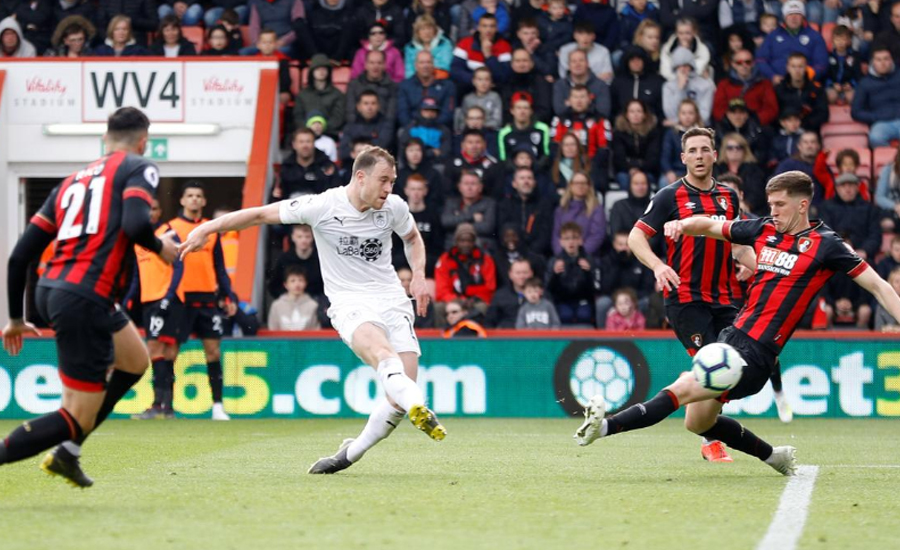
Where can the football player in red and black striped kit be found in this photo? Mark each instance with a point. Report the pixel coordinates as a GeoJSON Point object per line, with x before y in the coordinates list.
{"type": "Point", "coordinates": [697, 276]}
{"type": "Point", "coordinates": [96, 216]}
{"type": "Point", "coordinates": [795, 258]}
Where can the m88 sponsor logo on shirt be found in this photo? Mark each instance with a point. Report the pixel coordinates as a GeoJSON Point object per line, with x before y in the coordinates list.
{"type": "Point", "coordinates": [776, 261]}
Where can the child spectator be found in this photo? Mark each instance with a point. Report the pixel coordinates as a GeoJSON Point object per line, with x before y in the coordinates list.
{"type": "Point", "coordinates": [436, 137]}
{"type": "Point", "coordinates": [295, 309]}
{"type": "Point", "coordinates": [883, 320]}
{"type": "Point", "coordinates": [414, 161]}
{"type": "Point", "coordinates": [378, 41]}
{"type": "Point", "coordinates": [217, 43]}
{"type": "Point", "coordinates": [573, 279]}
{"type": "Point", "coordinates": [169, 41]}
{"type": "Point", "coordinates": [277, 15]}
{"type": "Point", "coordinates": [322, 96]}
{"type": "Point", "coordinates": [625, 315]}
{"type": "Point", "coordinates": [428, 221]}
{"type": "Point", "coordinates": [231, 20]}
{"type": "Point", "coordinates": [843, 68]}
{"type": "Point", "coordinates": [428, 36]}
{"type": "Point", "coordinates": [484, 97]}
{"type": "Point", "coordinates": [555, 25]}
{"type": "Point", "coordinates": [357, 146]}
{"type": "Point", "coordinates": [784, 144]}
{"type": "Point", "coordinates": [767, 23]}
{"type": "Point", "coordinates": [267, 44]}
{"type": "Point", "coordinates": [847, 162]}
{"type": "Point", "coordinates": [302, 256]}
{"type": "Point", "coordinates": [325, 143]}
{"type": "Point", "coordinates": [427, 321]}
{"type": "Point", "coordinates": [537, 313]}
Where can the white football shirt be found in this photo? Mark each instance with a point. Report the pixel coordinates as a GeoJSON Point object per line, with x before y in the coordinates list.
{"type": "Point", "coordinates": [354, 247]}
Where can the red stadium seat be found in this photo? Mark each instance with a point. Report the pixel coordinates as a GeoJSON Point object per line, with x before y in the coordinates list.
{"type": "Point", "coordinates": [882, 156]}
{"type": "Point", "coordinates": [845, 129]}
{"type": "Point", "coordinates": [827, 31]}
{"type": "Point", "coordinates": [245, 33]}
{"type": "Point", "coordinates": [839, 114]}
{"type": "Point", "coordinates": [340, 77]}
{"type": "Point", "coordinates": [195, 35]}
{"type": "Point", "coordinates": [835, 143]}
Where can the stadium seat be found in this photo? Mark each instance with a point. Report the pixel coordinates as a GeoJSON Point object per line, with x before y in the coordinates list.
{"type": "Point", "coordinates": [245, 33]}
{"type": "Point", "coordinates": [844, 129]}
{"type": "Point", "coordinates": [865, 158]}
{"type": "Point", "coordinates": [839, 114]}
{"type": "Point", "coordinates": [340, 77]}
{"type": "Point", "coordinates": [827, 31]}
{"type": "Point", "coordinates": [195, 35]}
{"type": "Point", "coordinates": [612, 197]}
{"type": "Point", "coordinates": [835, 143]}
{"type": "Point", "coordinates": [881, 157]}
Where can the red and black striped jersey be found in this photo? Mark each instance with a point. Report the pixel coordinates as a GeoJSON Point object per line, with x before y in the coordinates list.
{"type": "Point", "coordinates": [790, 271]}
{"type": "Point", "coordinates": [85, 212]}
{"type": "Point", "coordinates": [704, 265]}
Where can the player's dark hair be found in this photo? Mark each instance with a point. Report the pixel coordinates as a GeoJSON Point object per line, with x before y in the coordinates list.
{"type": "Point", "coordinates": [370, 157]}
{"type": "Point", "coordinates": [294, 271]}
{"type": "Point", "coordinates": [127, 125]}
{"type": "Point", "coordinates": [192, 184]}
{"type": "Point", "coordinates": [705, 132]}
{"type": "Point", "coordinates": [571, 227]}
{"type": "Point", "coordinates": [534, 282]}
{"type": "Point", "coordinates": [794, 182]}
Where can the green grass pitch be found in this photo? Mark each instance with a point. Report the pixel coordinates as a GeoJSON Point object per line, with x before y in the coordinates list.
{"type": "Point", "coordinates": [491, 484]}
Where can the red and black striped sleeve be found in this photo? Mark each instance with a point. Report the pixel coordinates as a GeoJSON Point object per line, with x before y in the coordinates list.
{"type": "Point", "coordinates": [841, 258]}
{"type": "Point", "coordinates": [658, 211]}
{"type": "Point", "coordinates": [743, 231]}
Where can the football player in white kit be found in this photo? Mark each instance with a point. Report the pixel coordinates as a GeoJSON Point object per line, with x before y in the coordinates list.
{"type": "Point", "coordinates": [352, 226]}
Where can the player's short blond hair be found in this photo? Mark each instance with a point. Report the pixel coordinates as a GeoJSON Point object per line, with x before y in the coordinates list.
{"type": "Point", "coordinates": [371, 156]}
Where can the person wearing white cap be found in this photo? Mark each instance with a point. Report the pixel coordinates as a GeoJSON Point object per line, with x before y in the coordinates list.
{"type": "Point", "coordinates": [794, 35]}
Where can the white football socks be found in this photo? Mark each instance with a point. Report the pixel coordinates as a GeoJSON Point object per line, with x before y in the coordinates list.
{"type": "Point", "coordinates": [381, 423]}
{"type": "Point", "coordinates": [397, 385]}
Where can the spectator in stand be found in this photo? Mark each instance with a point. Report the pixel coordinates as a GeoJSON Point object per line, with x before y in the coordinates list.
{"type": "Point", "coordinates": [321, 95]}
{"type": "Point", "coordinates": [329, 25]}
{"type": "Point", "coordinates": [636, 143]}
{"type": "Point", "coordinates": [883, 320]}
{"type": "Point", "coordinates": [571, 157]}
{"type": "Point", "coordinates": [504, 308]}
{"type": "Point", "coordinates": [267, 45]}
{"type": "Point", "coordinates": [768, 22]}
{"type": "Point", "coordinates": [412, 90]}
{"type": "Point", "coordinates": [530, 9]}
{"type": "Point", "coordinates": [745, 82]}
{"type": "Point", "coordinates": [636, 81]}
{"type": "Point", "coordinates": [437, 10]}
{"type": "Point", "coordinates": [523, 157]}
{"type": "Point", "coordinates": [510, 250]}
{"type": "Point", "coordinates": [619, 268]}
{"type": "Point", "coordinates": [705, 17]}
{"type": "Point", "coordinates": [368, 12]}
{"type": "Point", "coordinates": [214, 14]}
{"type": "Point", "coordinates": [72, 38]}
{"type": "Point", "coordinates": [414, 161]}
{"type": "Point", "coordinates": [474, 120]}
{"type": "Point", "coordinates": [580, 118]}
{"type": "Point", "coordinates": [647, 37]}
{"type": "Point", "coordinates": [531, 214]}
{"type": "Point", "coordinates": [325, 143]}
{"type": "Point", "coordinates": [793, 36]}
{"type": "Point", "coordinates": [686, 37]}
{"type": "Point", "coordinates": [525, 131]}
{"type": "Point", "coordinates": [375, 79]}
{"type": "Point", "coordinates": [526, 79]}
{"type": "Point", "coordinates": [844, 70]}
{"type": "Point", "coordinates": [278, 15]}
{"type": "Point", "coordinates": [217, 43]}
{"type": "Point", "coordinates": [427, 36]}
{"type": "Point", "coordinates": [294, 310]}
{"type": "Point", "coordinates": [800, 92]}
{"type": "Point", "coordinates": [169, 40]}
{"type": "Point", "coordinates": [485, 48]}
{"type": "Point", "coordinates": [598, 59]}
{"type": "Point", "coordinates": [731, 41]}
{"type": "Point", "coordinates": [378, 41]}
{"type": "Point", "coordinates": [436, 137]}
{"type": "Point", "coordinates": [537, 312]}
{"type": "Point", "coordinates": [471, 207]}
{"type": "Point", "coordinates": [528, 37]}
{"type": "Point", "coordinates": [36, 20]}
{"type": "Point", "coordinates": [626, 212]}
{"type": "Point", "coordinates": [306, 170]}
{"type": "Point", "coordinates": [465, 271]}
{"type": "Point", "coordinates": [736, 158]}
{"type": "Point", "coordinates": [813, 161]}
{"type": "Point", "coordinates": [302, 255]}
{"type": "Point", "coordinates": [786, 141]}
{"type": "Point", "coordinates": [232, 23]}
{"type": "Point", "coordinates": [460, 321]}
{"type": "Point", "coordinates": [496, 8]}
{"type": "Point", "coordinates": [188, 13]}
{"type": "Point", "coordinates": [579, 204]}
{"type": "Point", "coordinates": [887, 192]}
{"type": "Point", "coordinates": [483, 96]}
{"type": "Point", "coordinates": [119, 40]}
{"type": "Point", "coordinates": [631, 17]}
{"type": "Point", "coordinates": [428, 221]}
{"type": "Point", "coordinates": [687, 84]}
{"type": "Point", "coordinates": [474, 156]}
{"type": "Point", "coordinates": [625, 315]}
{"type": "Point", "coordinates": [889, 34]}
{"type": "Point", "coordinates": [670, 161]}
{"type": "Point", "coordinates": [877, 100]}
{"type": "Point", "coordinates": [849, 214]}
{"type": "Point", "coordinates": [555, 26]}
{"type": "Point", "coordinates": [602, 16]}
{"type": "Point", "coordinates": [370, 122]}
{"type": "Point", "coordinates": [738, 120]}
{"type": "Point", "coordinates": [847, 161]}
{"type": "Point", "coordinates": [580, 74]}
{"type": "Point", "coordinates": [142, 15]}
{"type": "Point", "coordinates": [891, 260]}
{"type": "Point", "coordinates": [573, 279]}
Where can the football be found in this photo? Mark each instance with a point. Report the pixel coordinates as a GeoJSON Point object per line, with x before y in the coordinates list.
{"type": "Point", "coordinates": [718, 366]}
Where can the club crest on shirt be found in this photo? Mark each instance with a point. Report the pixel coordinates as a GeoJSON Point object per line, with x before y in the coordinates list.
{"type": "Point", "coordinates": [380, 220]}
{"type": "Point", "coordinates": [723, 203]}
{"type": "Point", "coordinates": [697, 339]}
{"type": "Point", "coordinates": [804, 244]}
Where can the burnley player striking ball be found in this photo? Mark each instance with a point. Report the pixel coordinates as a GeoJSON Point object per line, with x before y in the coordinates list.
{"type": "Point", "coordinates": [718, 366]}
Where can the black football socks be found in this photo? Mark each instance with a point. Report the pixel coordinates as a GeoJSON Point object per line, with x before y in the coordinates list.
{"type": "Point", "coordinates": [730, 432]}
{"type": "Point", "coordinates": [214, 370]}
{"type": "Point", "coordinates": [644, 414]}
{"type": "Point", "coordinates": [39, 434]}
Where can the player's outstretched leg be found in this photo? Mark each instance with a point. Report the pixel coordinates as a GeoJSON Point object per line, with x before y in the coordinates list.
{"type": "Point", "coordinates": [635, 417]}
{"type": "Point", "coordinates": [39, 434]}
{"type": "Point", "coordinates": [382, 422]}
{"type": "Point", "coordinates": [334, 463]}
{"type": "Point", "coordinates": [60, 462]}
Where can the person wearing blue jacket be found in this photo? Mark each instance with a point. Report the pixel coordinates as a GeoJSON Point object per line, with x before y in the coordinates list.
{"type": "Point", "coordinates": [877, 99]}
{"type": "Point", "coordinates": [794, 35]}
{"type": "Point", "coordinates": [424, 84]}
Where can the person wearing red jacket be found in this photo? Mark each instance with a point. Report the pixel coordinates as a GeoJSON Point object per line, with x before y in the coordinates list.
{"type": "Point", "coordinates": [465, 271]}
{"type": "Point", "coordinates": [744, 81]}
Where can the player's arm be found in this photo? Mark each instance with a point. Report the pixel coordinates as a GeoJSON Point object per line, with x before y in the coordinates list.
{"type": "Point", "coordinates": [639, 243]}
{"type": "Point", "coordinates": [881, 289]}
{"type": "Point", "coordinates": [233, 221]}
{"type": "Point", "coordinates": [744, 255]}
{"type": "Point", "coordinates": [177, 275]}
{"type": "Point", "coordinates": [414, 248]}
{"type": "Point", "coordinates": [37, 236]}
{"type": "Point", "coordinates": [698, 226]}
{"type": "Point", "coordinates": [140, 188]}
{"type": "Point", "coordinates": [222, 279]}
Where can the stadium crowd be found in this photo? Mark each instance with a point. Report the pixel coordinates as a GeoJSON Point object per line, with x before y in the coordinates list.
{"type": "Point", "coordinates": [531, 136]}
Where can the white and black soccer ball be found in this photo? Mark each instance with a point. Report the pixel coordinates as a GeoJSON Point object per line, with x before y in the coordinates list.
{"type": "Point", "coordinates": [718, 366]}
{"type": "Point", "coordinates": [602, 371]}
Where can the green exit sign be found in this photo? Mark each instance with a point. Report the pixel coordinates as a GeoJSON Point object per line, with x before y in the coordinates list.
{"type": "Point", "coordinates": [157, 148]}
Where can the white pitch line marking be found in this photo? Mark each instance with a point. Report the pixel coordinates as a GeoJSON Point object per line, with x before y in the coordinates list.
{"type": "Point", "coordinates": [793, 508]}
